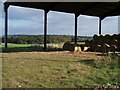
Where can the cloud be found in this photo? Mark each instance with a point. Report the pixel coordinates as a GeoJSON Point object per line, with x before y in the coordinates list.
{"type": "Point", "coordinates": [60, 23]}
{"type": "Point", "coordinates": [25, 27]}
{"type": "Point", "coordinates": [87, 25]}
{"type": "Point", "coordinates": [31, 30]}
{"type": "Point", "coordinates": [110, 25]}
{"type": "Point", "coordinates": [58, 17]}
{"type": "Point", "coordinates": [21, 13]}
{"type": "Point", "coordinates": [1, 10]}
{"type": "Point", "coordinates": [112, 18]}
{"type": "Point", "coordinates": [1, 19]}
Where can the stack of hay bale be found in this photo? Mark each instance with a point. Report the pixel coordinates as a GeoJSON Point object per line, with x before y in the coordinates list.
{"type": "Point", "coordinates": [100, 40]}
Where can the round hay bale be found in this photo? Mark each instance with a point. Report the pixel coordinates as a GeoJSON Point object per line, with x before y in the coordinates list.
{"type": "Point", "coordinates": [92, 44]}
{"type": "Point", "coordinates": [65, 46]}
{"type": "Point", "coordinates": [71, 47]}
{"type": "Point", "coordinates": [98, 48]}
{"type": "Point", "coordinates": [105, 48]}
{"type": "Point", "coordinates": [86, 48]}
{"type": "Point", "coordinates": [87, 42]}
{"type": "Point", "coordinates": [113, 48]}
{"type": "Point", "coordinates": [115, 36]}
{"type": "Point", "coordinates": [118, 36]}
{"type": "Point", "coordinates": [107, 38]}
{"type": "Point", "coordinates": [95, 37]}
{"type": "Point", "coordinates": [77, 49]}
{"type": "Point", "coordinates": [114, 42]}
{"type": "Point", "coordinates": [101, 39]}
{"type": "Point", "coordinates": [68, 46]}
{"type": "Point", "coordinates": [82, 47]}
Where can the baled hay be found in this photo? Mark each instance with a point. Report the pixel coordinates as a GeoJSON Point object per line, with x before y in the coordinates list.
{"type": "Point", "coordinates": [87, 43]}
{"type": "Point", "coordinates": [113, 48]}
{"type": "Point", "coordinates": [86, 48]}
{"type": "Point", "coordinates": [71, 47]}
{"type": "Point", "coordinates": [98, 48]}
{"type": "Point", "coordinates": [77, 49]}
{"type": "Point", "coordinates": [82, 47]}
{"type": "Point", "coordinates": [107, 38]}
{"type": "Point", "coordinates": [116, 36]}
{"type": "Point", "coordinates": [65, 46]}
{"type": "Point", "coordinates": [105, 48]}
{"type": "Point", "coordinates": [114, 42]}
{"type": "Point", "coordinates": [95, 37]}
{"type": "Point", "coordinates": [101, 39]}
{"type": "Point", "coordinates": [68, 46]}
{"type": "Point", "coordinates": [98, 39]}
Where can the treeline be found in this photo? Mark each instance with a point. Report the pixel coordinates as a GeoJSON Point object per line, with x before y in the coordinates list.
{"type": "Point", "coordinates": [39, 39]}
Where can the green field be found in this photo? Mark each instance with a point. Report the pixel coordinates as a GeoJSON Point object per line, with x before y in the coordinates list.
{"type": "Point", "coordinates": [30, 47]}
{"type": "Point", "coordinates": [12, 45]}
{"type": "Point", "coordinates": [60, 69]}
{"type": "Point", "coordinates": [33, 47]}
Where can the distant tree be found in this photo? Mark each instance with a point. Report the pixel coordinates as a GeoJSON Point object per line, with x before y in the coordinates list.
{"type": "Point", "coordinates": [39, 39]}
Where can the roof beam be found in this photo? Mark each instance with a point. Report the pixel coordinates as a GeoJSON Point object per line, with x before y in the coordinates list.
{"type": "Point", "coordinates": [87, 8]}
{"type": "Point", "coordinates": [51, 6]}
{"type": "Point", "coordinates": [75, 29]}
{"type": "Point", "coordinates": [45, 30]}
{"type": "Point", "coordinates": [6, 5]}
{"type": "Point", "coordinates": [110, 12]}
{"type": "Point", "coordinates": [6, 23]}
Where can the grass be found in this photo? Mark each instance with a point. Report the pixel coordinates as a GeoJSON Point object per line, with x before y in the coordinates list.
{"type": "Point", "coordinates": [62, 69]}
{"type": "Point", "coordinates": [57, 70]}
{"type": "Point", "coordinates": [12, 45]}
{"type": "Point", "coordinates": [80, 42]}
{"type": "Point", "coordinates": [32, 47]}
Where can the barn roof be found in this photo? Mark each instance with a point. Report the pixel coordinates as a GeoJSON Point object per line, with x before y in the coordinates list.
{"type": "Point", "coordinates": [99, 9]}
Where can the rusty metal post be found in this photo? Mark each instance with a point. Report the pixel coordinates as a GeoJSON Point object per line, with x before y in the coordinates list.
{"type": "Point", "coordinates": [6, 24]}
{"type": "Point", "coordinates": [45, 30]}
{"type": "Point", "coordinates": [75, 37]}
{"type": "Point", "coordinates": [100, 25]}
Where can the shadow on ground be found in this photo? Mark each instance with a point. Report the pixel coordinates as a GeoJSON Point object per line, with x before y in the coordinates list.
{"type": "Point", "coordinates": [103, 63]}
{"type": "Point", "coordinates": [29, 49]}
{"type": "Point", "coordinates": [89, 62]}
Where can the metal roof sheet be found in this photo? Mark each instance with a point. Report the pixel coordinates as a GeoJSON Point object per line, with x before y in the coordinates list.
{"type": "Point", "coordinates": [100, 9]}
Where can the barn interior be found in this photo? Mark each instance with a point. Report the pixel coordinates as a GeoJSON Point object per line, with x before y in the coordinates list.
{"type": "Point", "coordinates": [97, 9]}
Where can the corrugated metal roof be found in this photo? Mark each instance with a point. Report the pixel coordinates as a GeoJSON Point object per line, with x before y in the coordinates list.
{"type": "Point", "coordinates": [100, 9]}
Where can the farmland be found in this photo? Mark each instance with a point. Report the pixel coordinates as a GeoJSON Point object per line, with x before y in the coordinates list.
{"type": "Point", "coordinates": [57, 69]}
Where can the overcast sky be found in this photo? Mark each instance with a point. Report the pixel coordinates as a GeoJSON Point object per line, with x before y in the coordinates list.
{"type": "Point", "coordinates": [30, 21]}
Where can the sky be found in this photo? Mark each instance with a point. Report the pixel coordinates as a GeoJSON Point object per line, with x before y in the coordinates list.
{"type": "Point", "coordinates": [0, 18]}
{"type": "Point", "coordinates": [31, 22]}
